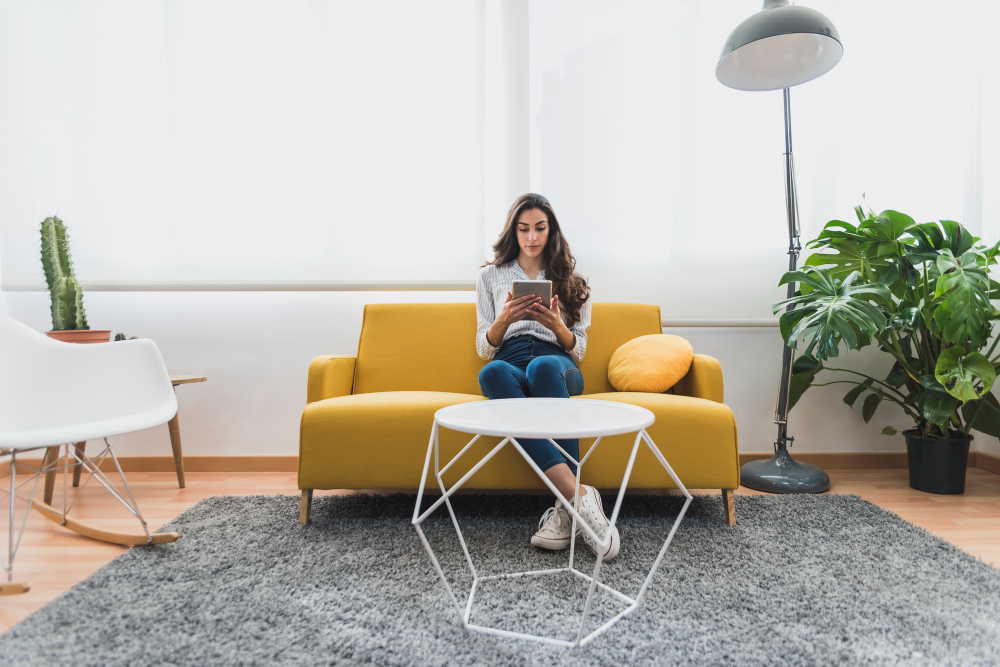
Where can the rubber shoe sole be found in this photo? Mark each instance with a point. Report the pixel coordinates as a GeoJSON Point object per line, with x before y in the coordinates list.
{"type": "Point", "coordinates": [550, 544]}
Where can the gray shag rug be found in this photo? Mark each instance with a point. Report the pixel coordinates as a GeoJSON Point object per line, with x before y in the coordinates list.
{"type": "Point", "coordinates": [801, 580]}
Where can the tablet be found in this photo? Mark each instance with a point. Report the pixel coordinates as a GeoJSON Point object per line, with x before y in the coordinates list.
{"type": "Point", "coordinates": [542, 288]}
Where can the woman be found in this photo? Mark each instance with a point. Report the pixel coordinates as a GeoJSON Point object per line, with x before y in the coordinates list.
{"type": "Point", "coordinates": [534, 347]}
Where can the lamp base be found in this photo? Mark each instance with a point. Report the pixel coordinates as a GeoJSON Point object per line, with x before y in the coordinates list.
{"type": "Point", "coordinates": [782, 474]}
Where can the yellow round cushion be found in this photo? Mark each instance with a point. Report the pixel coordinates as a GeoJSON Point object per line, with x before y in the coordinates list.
{"type": "Point", "coordinates": [652, 363]}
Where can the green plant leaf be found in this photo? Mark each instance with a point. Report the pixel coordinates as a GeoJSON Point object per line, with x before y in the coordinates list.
{"type": "Point", "coordinates": [797, 386]}
{"type": "Point", "coordinates": [836, 229]}
{"type": "Point", "coordinates": [889, 274]}
{"type": "Point", "coordinates": [906, 316]}
{"type": "Point", "coordinates": [788, 320]}
{"type": "Point", "coordinates": [888, 430]}
{"type": "Point", "coordinates": [869, 407]}
{"type": "Point", "coordinates": [849, 256]}
{"type": "Point", "coordinates": [806, 364]}
{"type": "Point", "coordinates": [929, 237]}
{"type": "Point", "coordinates": [961, 305]}
{"type": "Point", "coordinates": [930, 382]}
{"type": "Point", "coordinates": [852, 396]}
{"type": "Point", "coordinates": [983, 414]}
{"type": "Point", "coordinates": [834, 311]}
{"type": "Point", "coordinates": [888, 226]}
{"type": "Point", "coordinates": [937, 407]}
{"type": "Point", "coordinates": [958, 372]}
{"type": "Point", "coordinates": [959, 239]}
{"type": "Point", "coordinates": [896, 377]}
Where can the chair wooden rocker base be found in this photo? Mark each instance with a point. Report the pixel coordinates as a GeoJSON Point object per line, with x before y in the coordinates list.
{"type": "Point", "coordinates": [52, 463]}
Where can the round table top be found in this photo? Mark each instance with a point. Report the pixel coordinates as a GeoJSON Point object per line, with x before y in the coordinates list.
{"type": "Point", "coordinates": [544, 417]}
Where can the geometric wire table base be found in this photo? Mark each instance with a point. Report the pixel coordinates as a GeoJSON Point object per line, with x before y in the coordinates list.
{"type": "Point", "coordinates": [593, 579]}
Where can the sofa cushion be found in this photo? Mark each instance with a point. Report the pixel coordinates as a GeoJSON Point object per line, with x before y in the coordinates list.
{"type": "Point", "coordinates": [611, 325]}
{"type": "Point", "coordinates": [697, 437]}
{"type": "Point", "coordinates": [379, 441]}
{"type": "Point", "coordinates": [418, 347]}
{"type": "Point", "coordinates": [652, 363]}
{"type": "Point", "coordinates": [432, 346]}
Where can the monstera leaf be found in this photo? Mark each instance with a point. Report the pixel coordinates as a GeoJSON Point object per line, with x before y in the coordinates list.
{"type": "Point", "coordinates": [906, 316]}
{"type": "Point", "coordinates": [887, 227]}
{"type": "Point", "coordinates": [958, 371]}
{"type": "Point", "coordinates": [937, 407]}
{"type": "Point", "coordinates": [833, 311]}
{"type": "Point", "coordinates": [844, 256]}
{"type": "Point", "coordinates": [804, 371]}
{"type": "Point", "coordinates": [962, 310]}
{"type": "Point", "coordinates": [983, 414]}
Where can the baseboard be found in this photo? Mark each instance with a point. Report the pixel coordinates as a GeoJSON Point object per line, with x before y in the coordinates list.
{"type": "Point", "coordinates": [288, 464]}
{"type": "Point", "coordinates": [873, 460]}
{"type": "Point", "coordinates": [987, 462]}
{"type": "Point", "coordinates": [845, 460]}
{"type": "Point", "coordinates": [825, 460]}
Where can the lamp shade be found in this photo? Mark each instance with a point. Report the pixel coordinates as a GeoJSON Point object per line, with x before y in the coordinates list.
{"type": "Point", "coordinates": [779, 47]}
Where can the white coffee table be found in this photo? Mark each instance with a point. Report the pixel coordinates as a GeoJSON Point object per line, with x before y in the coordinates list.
{"type": "Point", "coordinates": [547, 418]}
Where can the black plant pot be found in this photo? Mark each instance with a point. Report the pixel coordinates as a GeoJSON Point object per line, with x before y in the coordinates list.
{"type": "Point", "coordinates": [937, 465]}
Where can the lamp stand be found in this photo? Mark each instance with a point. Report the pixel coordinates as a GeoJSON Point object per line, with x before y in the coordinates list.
{"type": "Point", "coordinates": [780, 473]}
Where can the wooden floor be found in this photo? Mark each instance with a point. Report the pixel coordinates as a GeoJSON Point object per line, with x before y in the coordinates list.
{"type": "Point", "coordinates": [52, 559]}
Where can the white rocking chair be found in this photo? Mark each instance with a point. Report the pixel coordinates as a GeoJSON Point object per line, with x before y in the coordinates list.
{"type": "Point", "coordinates": [55, 394]}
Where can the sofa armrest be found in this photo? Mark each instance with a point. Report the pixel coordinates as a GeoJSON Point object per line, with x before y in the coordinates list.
{"type": "Point", "coordinates": [703, 379]}
{"type": "Point", "coordinates": [330, 376]}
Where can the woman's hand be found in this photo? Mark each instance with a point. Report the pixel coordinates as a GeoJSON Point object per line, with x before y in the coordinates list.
{"type": "Point", "coordinates": [515, 310]}
{"type": "Point", "coordinates": [550, 317]}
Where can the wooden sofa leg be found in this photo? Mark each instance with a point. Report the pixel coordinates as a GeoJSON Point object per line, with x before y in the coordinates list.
{"type": "Point", "coordinates": [306, 506]}
{"type": "Point", "coordinates": [729, 506]}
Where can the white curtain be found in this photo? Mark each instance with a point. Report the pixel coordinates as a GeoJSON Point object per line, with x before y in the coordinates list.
{"type": "Point", "coordinates": [243, 140]}
{"type": "Point", "coordinates": [339, 140]}
{"type": "Point", "coordinates": [669, 185]}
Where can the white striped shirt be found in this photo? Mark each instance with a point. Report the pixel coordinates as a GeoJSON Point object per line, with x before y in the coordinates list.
{"type": "Point", "coordinates": [492, 286]}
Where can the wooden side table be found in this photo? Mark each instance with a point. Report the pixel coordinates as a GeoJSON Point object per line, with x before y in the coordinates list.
{"type": "Point", "coordinates": [174, 426]}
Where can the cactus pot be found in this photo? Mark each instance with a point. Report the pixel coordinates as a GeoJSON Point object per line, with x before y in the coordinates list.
{"type": "Point", "coordinates": [81, 335]}
{"type": "Point", "coordinates": [937, 465]}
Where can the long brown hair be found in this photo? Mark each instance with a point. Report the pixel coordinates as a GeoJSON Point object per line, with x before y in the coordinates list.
{"type": "Point", "coordinates": [558, 261]}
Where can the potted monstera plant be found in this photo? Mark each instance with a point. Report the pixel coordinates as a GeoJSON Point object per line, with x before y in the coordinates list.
{"type": "Point", "coordinates": [921, 292]}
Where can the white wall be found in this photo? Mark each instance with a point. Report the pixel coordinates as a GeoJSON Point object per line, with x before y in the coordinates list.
{"type": "Point", "coordinates": [3, 295]}
{"type": "Point", "coordinates": [255, 347]}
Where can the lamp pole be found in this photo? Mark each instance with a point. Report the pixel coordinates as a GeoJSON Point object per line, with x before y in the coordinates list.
{"type": "Point", "coordinates": [781, 473]}
{"type": "Point", "coordinates": [782, 46]}
{"type": "Point", "coordinates": [794, 247]}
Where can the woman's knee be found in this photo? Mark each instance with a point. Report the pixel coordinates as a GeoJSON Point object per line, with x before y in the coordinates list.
{"type": "Point", "coordinates": [494, 375]}
{"type": "Point", "coordinates": [554, 376]}
{"type": "Point", "coordinates": [544, 368]}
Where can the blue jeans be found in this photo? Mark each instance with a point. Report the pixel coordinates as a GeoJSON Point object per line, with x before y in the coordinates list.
{"type": "Point", "coordinates": [528, 366]}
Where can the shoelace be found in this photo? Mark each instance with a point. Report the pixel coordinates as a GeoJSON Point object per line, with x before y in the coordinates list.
{"type": "Point", "coordinates": [592, 514]}
{"type": "Point", "coordinates": [548, 514]}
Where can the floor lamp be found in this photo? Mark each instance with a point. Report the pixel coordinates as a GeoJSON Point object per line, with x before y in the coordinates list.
{"type": "Point", "coordinates": [779, 47]}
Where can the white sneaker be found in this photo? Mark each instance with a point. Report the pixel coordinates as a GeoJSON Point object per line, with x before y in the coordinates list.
{"type": "Point", "coordinates": [592, 511]}
{"type": "Point", "coordinates": [554, 528]}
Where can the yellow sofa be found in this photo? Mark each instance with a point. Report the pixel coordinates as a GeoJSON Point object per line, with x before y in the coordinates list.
{"type": "Point", "coordinates": [368, 418]}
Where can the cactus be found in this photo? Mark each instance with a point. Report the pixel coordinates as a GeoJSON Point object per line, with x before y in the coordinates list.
{"type": "Point", "coordinates": [67, 296]}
